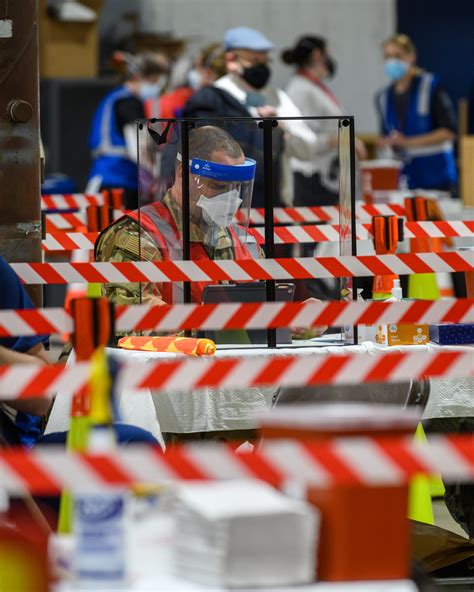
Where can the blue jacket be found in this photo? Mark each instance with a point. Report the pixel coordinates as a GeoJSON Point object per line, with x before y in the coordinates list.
{"type": "Point", "coordinates": [107, 143]}
{"type": "Point", "coordinates": [427, 167]}
{"type": "Point", "coordinates": [17, 427]}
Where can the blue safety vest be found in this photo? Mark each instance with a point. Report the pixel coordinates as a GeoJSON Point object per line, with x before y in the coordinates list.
{"type": "Point", "coordinates": [107, 143]}
{"type": "Point", "coordinates": [427, 167]}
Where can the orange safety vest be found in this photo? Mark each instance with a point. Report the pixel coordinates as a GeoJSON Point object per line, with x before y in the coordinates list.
{"type": "Point", "coordinates": [158, 221]}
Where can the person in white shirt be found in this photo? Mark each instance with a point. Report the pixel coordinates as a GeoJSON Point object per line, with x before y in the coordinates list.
{"type": "Point", "coordinates": [245, 91]}
{"type": "Point", "coordinates": [316, 180]}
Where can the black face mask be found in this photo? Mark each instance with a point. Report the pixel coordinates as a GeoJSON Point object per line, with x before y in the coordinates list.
{"type": "Point", "coordinates": [331, 66]}
{"type": "Point", "coordinates": [257, 76]}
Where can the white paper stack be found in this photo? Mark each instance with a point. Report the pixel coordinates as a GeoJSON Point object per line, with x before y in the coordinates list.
{"type": "Point", "coordinates": [243, 534]}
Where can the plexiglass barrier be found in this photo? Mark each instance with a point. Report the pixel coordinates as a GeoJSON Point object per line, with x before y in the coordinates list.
{"type": "Point", "coordinates": [239, 189]}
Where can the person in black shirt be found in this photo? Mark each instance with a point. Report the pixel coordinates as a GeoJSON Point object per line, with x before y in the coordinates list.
{"type": "Point", "coordinates": [417, 119]}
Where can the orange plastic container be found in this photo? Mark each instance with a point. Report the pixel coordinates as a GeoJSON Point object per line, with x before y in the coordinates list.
{"type": "Point", "coordinates": [379, 176]}
{"type": "Point", "coordinates": [470, 284]}
{"type": "Point", "coordinates": [364, 530]}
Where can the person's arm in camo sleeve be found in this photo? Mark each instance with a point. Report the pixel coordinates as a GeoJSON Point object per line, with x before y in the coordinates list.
{"type": "Point", "coordinates": [120, 242]}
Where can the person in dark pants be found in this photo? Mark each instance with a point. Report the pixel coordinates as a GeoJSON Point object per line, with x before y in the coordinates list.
{"type": "Point", "coordinates": [459, 497]}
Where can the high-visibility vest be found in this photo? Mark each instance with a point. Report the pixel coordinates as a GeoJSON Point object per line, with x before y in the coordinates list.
{"type": "Point", "coordinates": [425, 166]}
{"type": "Point", "coordinates": [158, 221]}
{"type": "Point", "coordinates": [108, 147]}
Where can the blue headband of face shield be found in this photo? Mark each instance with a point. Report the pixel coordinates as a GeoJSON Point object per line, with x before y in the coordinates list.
{"type": "Point", "coordinates": [224, 172]}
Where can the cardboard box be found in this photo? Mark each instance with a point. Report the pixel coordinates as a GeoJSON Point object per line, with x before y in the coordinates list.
{"type": "Point", "coordinates": [68, 50]}
{"type": "Point", "coordinates": [393, 334]}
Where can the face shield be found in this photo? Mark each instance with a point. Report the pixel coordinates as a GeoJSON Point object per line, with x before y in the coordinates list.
{"type": "Point", "coordinates": [220, 194]}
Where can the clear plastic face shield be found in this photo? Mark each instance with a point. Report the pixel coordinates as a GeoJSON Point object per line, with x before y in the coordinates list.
{"type": "Point", "coordinates": [220, 194]}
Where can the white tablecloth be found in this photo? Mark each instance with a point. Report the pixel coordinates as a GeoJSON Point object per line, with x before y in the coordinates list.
{"type": "Point", "coordinates": [235, 409]}
{"type": "Point", "coordinates": [232, 409]}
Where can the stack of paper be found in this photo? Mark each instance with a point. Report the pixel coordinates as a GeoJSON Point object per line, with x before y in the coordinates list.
{"type": "Point", "coordinates": [244, 533]}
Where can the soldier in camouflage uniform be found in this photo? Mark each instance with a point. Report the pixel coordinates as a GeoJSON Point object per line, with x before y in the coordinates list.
{"type": "Point", "coordinates": [127, 240]}
{"type": "Point", "coordinates": [155, 235]}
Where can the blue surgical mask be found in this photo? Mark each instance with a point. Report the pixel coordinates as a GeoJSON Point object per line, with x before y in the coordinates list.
{"type": "Point", "coordinates": [149, 90]}
{"type": "Point", "coordinates": [395, 69]}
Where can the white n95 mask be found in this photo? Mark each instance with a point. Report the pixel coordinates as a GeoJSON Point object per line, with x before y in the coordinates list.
{"type": "Point", "coordinates": [221, 208]}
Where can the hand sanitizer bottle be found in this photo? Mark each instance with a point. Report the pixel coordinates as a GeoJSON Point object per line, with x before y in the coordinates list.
{"type": "Point", "coordinates": [397, 293]}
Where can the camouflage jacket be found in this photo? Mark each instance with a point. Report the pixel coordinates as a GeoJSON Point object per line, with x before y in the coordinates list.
{"type": "Point", "coordinates": [125, 240]}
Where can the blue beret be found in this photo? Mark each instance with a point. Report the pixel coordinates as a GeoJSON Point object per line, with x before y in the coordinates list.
{"type": "Point", "coordinates": [246, 38]}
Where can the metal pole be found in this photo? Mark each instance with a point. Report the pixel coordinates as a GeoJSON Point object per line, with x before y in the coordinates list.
{"type": "Point", "coordinates": [353, 212]}
{"type": "Point", "coordinates": [185, 125]}
{"type": "Point", "coordinates": [353, 185]}
{"type": "Point", "coordinates": [268, 125]}
{"type": "Point", "coordinates": [20, 206]}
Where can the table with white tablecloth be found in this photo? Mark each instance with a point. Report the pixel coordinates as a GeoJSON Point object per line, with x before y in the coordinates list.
{"type": "Point", "coordinates": [235, 409]}
{"type": "Point", "coordinates": [212, 409]}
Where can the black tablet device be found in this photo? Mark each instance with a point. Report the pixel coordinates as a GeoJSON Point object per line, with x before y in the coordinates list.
{"type": "Point", "coordinates": [247, 292]}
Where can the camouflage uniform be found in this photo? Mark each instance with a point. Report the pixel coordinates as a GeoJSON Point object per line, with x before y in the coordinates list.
{"type": "Point", "coordinates": [120, 242]}
{"type": "Point", "coordinates": [125, 240]}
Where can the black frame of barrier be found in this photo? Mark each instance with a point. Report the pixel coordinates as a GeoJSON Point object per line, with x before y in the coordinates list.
{"type": "Point", "coordinates": [267, 124]}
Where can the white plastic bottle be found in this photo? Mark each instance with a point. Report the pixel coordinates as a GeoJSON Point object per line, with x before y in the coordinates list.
{"type": "Point", "coordinates": [397, 293]}
{"type": "Point", "coordinates": [101, 529]}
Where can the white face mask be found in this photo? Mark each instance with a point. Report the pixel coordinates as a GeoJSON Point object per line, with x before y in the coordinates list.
{"type": "Point", "coordinates": [149, 90]}
{"type": "Point", "coordinates": [220, 209]}
{"type": "Point", "coordinates": [195, 79]}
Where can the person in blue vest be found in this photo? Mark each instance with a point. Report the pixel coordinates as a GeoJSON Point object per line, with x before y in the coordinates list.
{"type": "Point", "coordinates": [113, 137]}
{"type": "Point", "coordinates": [417, 119]}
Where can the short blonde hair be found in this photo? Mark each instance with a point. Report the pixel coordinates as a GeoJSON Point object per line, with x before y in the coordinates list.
{"type": "Point", "coordinates": [402, 41]}
{"type": "Point", "coordinates": [213, 57]}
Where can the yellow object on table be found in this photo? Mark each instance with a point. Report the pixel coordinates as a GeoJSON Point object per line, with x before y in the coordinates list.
{"type": "Point", "coordinates": [177, 345]}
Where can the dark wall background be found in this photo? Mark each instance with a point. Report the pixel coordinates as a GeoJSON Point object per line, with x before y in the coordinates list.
{"type": "Point", "coordinates": [67, 109]}
{"type": "Point", "coordinates": [443, 32]}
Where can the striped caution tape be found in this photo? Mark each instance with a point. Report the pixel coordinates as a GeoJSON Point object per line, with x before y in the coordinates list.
{"type": "Point", "coordinates": [69, 241]}
{"type": "Point", "coordinates": [71, 201]}
{"type": "Point", "coordinates": [245, 269]}
{"type": "Point", "coordinates": [62, 222]}
{"type": "Point", "coordinates": [306, 368]}
{"type": "Point", "coordinates": [274, 315]}
{"type": "Point", "coordinates": [292, 215]}
{"type": "Point", "coordinates": [264, 315]}
{"type": "Point", "coordinates": [362, 461]}
{"type": "Point", "coordinates": [314, 214]}
{"type": "Point", "coordinates": [59, 241]}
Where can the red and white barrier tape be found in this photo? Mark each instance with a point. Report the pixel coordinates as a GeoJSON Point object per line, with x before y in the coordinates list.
{"type": "Point", "coordinates": [80, 201]}
{"type": "Point", "coordinates": [362, 461]}
{"type": "Point", "coordinates": [243, 270]}
{"type": "Point", "coordinates": [71, 201]}
{"type": "Point", "coordinates": [275, 315]}
{"type": "Point", "coordinates": [332, 232]}
{"type": "Point", "coordinates": [323, 213]}
{"type": "Point", "coordinates": [61, 222]}
{"type": "Point", "coordinates": [62, 241]}
{"type": "Point", "coordinates": [272, 315]}
{"type": "Point", "coordinates": [69, 241]}
{"type": "Point", "coordinates": [308, 367]}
